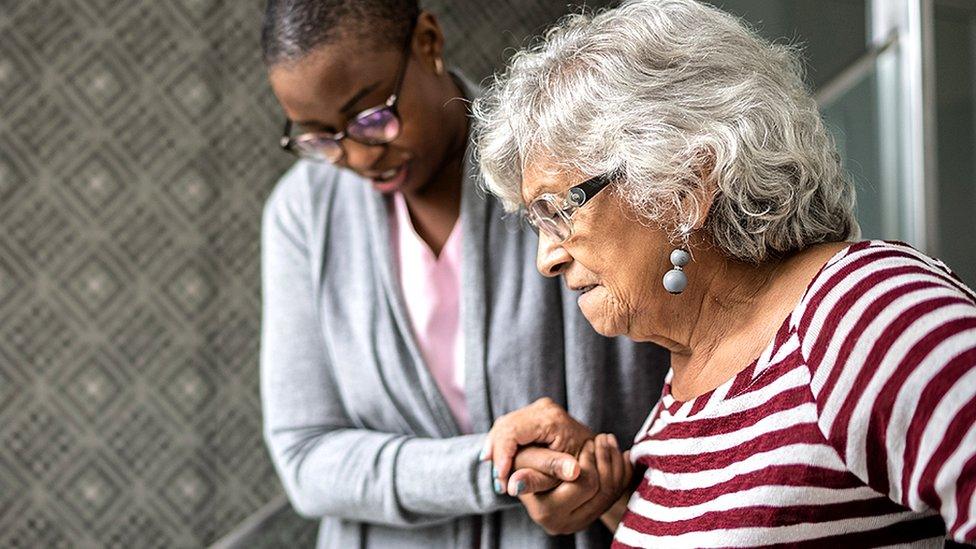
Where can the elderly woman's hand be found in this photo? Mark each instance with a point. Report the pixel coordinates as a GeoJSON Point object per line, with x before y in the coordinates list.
{"type": "Point", "coordinates": [541, 423]}
{"type": "Point", "coordinates": [604, 477]}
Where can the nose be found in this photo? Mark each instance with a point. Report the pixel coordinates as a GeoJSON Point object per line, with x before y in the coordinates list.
{"type": "Point", "coordinates": [551, 258]}
{"type": "Point", "coordinates": [360, 157]}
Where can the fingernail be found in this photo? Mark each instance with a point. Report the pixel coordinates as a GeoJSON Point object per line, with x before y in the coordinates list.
{"type": "Point", "coordinates": [519, 487]}
{"type": "Point", "coordinates": [494, 471]}
{"type": "Point", "coordinates": [568, 469]}
{"type": "Point", "coordinates": [613, 440]}
{"type": "Point", "coordinates": [498, 486]}
{"type": "Point", "coordinates": [483, 454]}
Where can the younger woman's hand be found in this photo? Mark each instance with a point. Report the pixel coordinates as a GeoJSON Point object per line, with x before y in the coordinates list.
{"type": "Point", "coordinates": [604, 478]}
{"type": "Point", "coordinates": [542, 423]}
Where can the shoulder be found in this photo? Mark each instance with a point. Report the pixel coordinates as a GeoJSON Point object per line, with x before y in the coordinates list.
{"type": "Point", "coordinates": [310, 194]}
{"type": "Point", "coordinates": [875, 291]}
{"type": "Point", "coordinates": [858, 275]}
{"type": "Point", "coordinates": [300, 186]}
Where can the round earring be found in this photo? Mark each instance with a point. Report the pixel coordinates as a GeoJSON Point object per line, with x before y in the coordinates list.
{"type": "Point", "coordinates": [675, 280]}
{"type": "Point", "coordinates": [438, 66]}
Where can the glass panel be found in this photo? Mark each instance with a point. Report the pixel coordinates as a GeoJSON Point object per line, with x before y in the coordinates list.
{"type": "Point", "coordinates": [864, 118]}
{"type": "Point", "coordinates": [832, 33]}
{"type": "Point", "coordinates": [955, 67]}
{"type": "Point", "coordinates": [868, 128]}
{"type": "Point", "coordinates": [853, 121]}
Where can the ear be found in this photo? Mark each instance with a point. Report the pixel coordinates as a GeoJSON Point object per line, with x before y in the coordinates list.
{"type": "Point", "coordinates": [429, 40]}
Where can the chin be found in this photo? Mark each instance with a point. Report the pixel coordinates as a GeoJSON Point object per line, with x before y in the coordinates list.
{"type": "Point", "coordinates": [603, 323]}
{"type": "Point", "coordinates": [604, 328]}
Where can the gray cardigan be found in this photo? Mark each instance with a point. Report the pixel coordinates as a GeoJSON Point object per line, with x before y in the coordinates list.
{"type": "Point", "coordinates": [356, 427]}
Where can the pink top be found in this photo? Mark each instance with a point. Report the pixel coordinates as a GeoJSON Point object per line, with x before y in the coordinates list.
{"type": "Point", "coordinates": [431, 287]}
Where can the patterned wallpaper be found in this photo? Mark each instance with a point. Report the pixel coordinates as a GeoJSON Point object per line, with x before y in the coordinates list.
{"type": "Point", "coordinates": [137, 144]}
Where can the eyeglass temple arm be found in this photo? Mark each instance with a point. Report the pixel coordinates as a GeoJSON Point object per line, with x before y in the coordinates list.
{"type": "Point", "coordinates": [407, 48]}
{"type": "Point", "coordinates": [589, 188]}
{"type": "Point", "coordinates": [392, 100]}
{"type": "Point", "coordinates": [285, 140]}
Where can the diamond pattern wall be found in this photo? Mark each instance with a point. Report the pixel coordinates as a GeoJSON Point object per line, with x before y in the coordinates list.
{"type": "Point", "coordinates": [137, 145]}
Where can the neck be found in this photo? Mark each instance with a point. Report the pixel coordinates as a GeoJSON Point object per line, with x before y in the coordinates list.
{"type": "Point", "coordinates": [719, 323]}
{"type": "Point", "coordinates": [435, 212]}
{"type": "Point", "coordinates": [435, 209]}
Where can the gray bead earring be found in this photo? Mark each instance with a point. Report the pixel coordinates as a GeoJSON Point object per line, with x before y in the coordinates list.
{"type": "Point", "coordinates": [675, 280]}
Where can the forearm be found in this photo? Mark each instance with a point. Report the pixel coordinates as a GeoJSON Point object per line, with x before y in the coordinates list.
{"type": "Point", "coordinates": [445, 477]}
{"type": "Point", "coordinates": [383, 478]}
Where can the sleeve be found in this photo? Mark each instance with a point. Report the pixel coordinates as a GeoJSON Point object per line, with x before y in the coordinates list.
{"type": "Point", "coordinates": [329, 466]}
{"type": "Point", "coordinates": [890, 337]}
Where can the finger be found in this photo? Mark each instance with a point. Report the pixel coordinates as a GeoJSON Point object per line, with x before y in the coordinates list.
{"type": "Point", "coordinates": [485, 454]}
{"type": "Point", "coordinates": [555, 464]}
{"type": "Point", "coordinates": [502, 455]}
{"type": "Point", "coordinates": [616, 476]}
{"type": "Point", "coordinates": [519, 429]}
{"type": "Point", "coordinates": [568, 496]}
{"type": "Point", "coordinates": [616, 461]}
{"type": "Point", "coordinates": [588, 477]}
{"type": "Point", "coordinates": [530, 481]}
{"type": "Point", "coordinates": [628, 472]}
{"type": "Point", "coordinates": [599, 501]}
{"type": "Point", "coordinates": [587, 457]}
{"type": "Point", "coordinates": [628, 469]}
{"type": "Point", "coordinates": [604, 467]}
{"type": "Point", "coordinates": [507, 441]}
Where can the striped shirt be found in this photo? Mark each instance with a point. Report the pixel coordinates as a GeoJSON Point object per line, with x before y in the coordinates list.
{"type": "Point", "coordinates": [855, 427]}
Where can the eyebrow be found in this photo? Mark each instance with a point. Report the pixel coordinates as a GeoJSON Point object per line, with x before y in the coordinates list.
{"type": "Point", "coordinates": [346, 108]}
{"type": "Point", "coordinates": [546, 188]}
{"type": "Point", "coordinates": [348, 105]}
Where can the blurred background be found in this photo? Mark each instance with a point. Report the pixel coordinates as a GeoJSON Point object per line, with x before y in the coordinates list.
{"type": "Point", "coordinates": [138, 141]}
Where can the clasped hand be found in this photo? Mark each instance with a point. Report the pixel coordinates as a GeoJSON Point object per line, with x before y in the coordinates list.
{"type": "Point", "coordinates": [564, 475]}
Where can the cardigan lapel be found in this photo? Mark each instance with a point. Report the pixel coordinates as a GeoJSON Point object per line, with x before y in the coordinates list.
{"type": "Point", "coordinates": [425, 386]}
{"type": "Point", "coordinates": [475, 295]}
{"type": "Point", "coordinates": [474, 213]}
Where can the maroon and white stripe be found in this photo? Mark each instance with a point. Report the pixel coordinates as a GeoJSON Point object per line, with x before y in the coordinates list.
{"type": "Point", "coordinates": [856, 425]}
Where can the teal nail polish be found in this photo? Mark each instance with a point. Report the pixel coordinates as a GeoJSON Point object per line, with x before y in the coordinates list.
{"type": "Point", "coordinates": [494, 472]}
{"type": "Point", "coordinates": [498, 486]}
{"type": "Point", "coordinates": [519, 487]}
{"type": "Point", "coordinates": [483, 454]}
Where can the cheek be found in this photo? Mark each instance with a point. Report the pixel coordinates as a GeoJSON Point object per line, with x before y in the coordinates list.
{"type": "Point", "coordinates": [423, 117]}
{"type": "Point", "coordinates": [625, 287]}
{"type": "Point", "coordinates": [605, 311]}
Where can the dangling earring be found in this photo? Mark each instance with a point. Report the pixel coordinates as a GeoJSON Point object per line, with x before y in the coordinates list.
{"type": "Point", "coordinates": [675, 280]}
{"type": "Point", "coordinates": [438, 66]}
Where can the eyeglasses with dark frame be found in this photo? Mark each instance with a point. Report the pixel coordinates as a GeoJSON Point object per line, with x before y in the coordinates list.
{"type": "Point", "coordinates": [553, 213]}
{"type": "Point", "coordinates": [378, 125]}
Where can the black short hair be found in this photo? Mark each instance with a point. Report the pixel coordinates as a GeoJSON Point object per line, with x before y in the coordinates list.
{"type": "Point", "coordinates": [294, 28]}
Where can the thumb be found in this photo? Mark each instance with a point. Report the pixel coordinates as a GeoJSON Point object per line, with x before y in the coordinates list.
{"type": "Point", "coordinates": [530, 481]}
{"type": "Point", "coordinates": [549, 462]}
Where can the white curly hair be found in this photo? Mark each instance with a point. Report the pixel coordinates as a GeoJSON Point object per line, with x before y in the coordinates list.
{"type": "Point", "coordinates": [659, 92]}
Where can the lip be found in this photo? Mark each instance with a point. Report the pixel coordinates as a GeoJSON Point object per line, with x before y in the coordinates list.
{"type": "Point", "coordinates": [584, 288]}
{"type": "Point", "coordinates": [583, 300]}
{"type": "Point", "coordinates": [395, 182]}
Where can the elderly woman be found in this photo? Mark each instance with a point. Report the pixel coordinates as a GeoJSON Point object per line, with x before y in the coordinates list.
{"type": "Point", "coordinates": [822, 390]}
